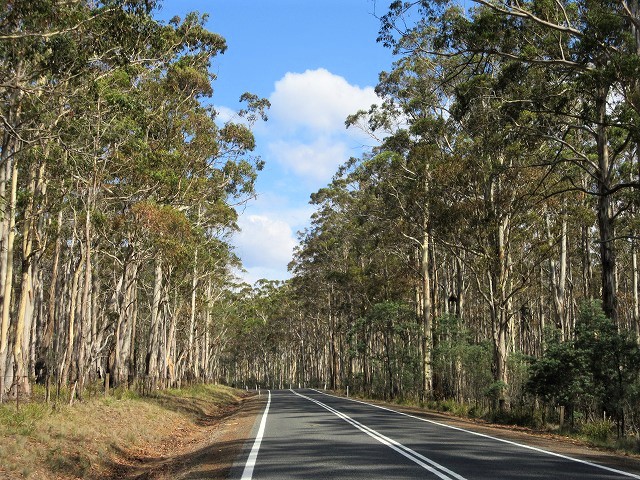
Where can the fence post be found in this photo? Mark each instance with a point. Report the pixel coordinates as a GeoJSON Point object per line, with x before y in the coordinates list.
{"type": "Point", "coordinates": [106, 384]}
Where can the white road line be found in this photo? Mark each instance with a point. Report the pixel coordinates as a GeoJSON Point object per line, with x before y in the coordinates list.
{"type": "Point", "coordinates": [433, 467]}
{"type": "Point", "coordinates": [521, 445]}
{"type": "Point", "coordinates": [247, 473]}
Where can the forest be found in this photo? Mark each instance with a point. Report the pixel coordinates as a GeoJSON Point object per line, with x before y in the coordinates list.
{"type": "Point", "coordinates": [483, 257]}
{"type": "Point", "coordinates": [119, 193]}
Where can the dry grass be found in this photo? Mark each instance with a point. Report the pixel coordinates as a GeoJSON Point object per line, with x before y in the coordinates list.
{"type": "Point", "coordinates": [90, 439]}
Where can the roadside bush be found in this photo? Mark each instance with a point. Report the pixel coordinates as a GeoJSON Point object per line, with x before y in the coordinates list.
{"type": "Point", "coordinates": [458, 409]}
{"type": "Point", "coordinates": [595, 372]}
{"type": "Point", "coordinates": [599, 431]}
{"type": "Point", "coordinates": [23, 421]}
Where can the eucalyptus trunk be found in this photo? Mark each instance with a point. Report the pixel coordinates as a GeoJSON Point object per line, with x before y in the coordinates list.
{"type": "Point", "coordinates": [24, 314]}
{"type": "Point", "coordinates": [605, 211]}
{"type": "Point", "coordinates": [634, 286]}
{"type": "Point", "coordinates": [51, 324]}
{"type": "Point", "coordinates": [499, 277]}
{"type": "Point", "coordinates": [192, 367]}
{"type": "Point", "coordinates": [558, 277]}
{"type": "Point", "coordinates": [9, 235]}
{"type": "Point", "coordinates": [85, 345]}
{"type": "Point", "coordinates": [125, 304]}
{"type": "Point", "coordinates": [71, 354]}
{"type": "Point", "coordinates": [427, 321]}
{"type": "Point", "coordinates": [154, 331]}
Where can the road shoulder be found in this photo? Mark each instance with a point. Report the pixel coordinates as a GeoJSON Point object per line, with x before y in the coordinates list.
{"type": "Point", "coordinates": [208, 453]}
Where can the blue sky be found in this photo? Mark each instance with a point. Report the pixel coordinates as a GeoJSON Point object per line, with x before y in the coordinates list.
{"type": "Point", "coordinates": [317, 62]}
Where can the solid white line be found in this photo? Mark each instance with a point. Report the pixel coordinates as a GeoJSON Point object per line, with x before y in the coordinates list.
{"type": "Point", "coordinates": [394, 445]}
{"type": "Point", "coordinates": [529, 447]}
{"type": "Point", "coordinates": [247, 473]}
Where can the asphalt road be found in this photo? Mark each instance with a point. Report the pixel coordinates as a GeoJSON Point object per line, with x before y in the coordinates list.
{"type": "Point", "coordinates": [311, 435]}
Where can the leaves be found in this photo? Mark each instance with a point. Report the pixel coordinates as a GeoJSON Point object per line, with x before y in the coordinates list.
{"type": "Point", "coordinates": [117, 160]}
{"type": "Point", "coordinates": [595, 370]}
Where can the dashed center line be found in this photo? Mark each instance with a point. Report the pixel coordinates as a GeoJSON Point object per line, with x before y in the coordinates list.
{"type": "Point", "coordinates": [502, 440]}
{"type": "Point", "coordinates": [439, 470]}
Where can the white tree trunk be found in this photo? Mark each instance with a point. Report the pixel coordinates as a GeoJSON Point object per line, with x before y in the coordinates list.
{"type": "Point", "coordinates": [154, 332]}
{"type": "Point", "coordinates": [9, 222]}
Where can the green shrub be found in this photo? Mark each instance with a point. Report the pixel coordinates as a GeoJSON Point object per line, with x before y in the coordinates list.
{"type": "Point", "coordinates": [23, 421]}
{"type": "Point", "coordinates": [125, 394]}
{"type": "Point", "coordinates": [599, 431]}
{"type": "Point", "coordinates": [628, 444]}
{"type": "Point", "coordinates": [494, 391]}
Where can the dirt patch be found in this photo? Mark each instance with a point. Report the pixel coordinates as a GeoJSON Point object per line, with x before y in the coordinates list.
{"type": "Point", "coordinates": [207, 451]}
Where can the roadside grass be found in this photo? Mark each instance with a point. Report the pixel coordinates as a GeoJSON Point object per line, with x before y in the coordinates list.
{"type": "Point", "coordinates": [599, 434]}
{"type": "Point", "coordinates": [602, 434]}
{"type": "Point", "coordinates": [47, 441]}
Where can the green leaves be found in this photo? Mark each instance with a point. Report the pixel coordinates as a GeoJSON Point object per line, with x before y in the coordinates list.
{"type": "Point", "coordinates": [596, 370]}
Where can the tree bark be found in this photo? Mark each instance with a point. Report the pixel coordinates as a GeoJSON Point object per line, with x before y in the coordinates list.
{"type": "Point", "coordinates": [634, 286]}
{"type": "Point", "coordinates": [6, 373]}
{"type": "Point", "coordinates": [25, 304]}
{"type": "Point", "coordinates": [70, 357]}
{"type": "Point", "coordinates": [154, 332]}
{"type": "Point", "coordinates": [558, 277]}
{"type": "Point", "coordinates": [192, 368]}
{"type": "Point", "coordinates": [427, 327]}
{"type": "Point", "coordinates": [606, 218]}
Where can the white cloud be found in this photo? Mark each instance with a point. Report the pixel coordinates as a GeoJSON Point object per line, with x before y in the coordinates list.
{"type": "Point", "coordinates": [317, 160]}
{"type": "Point", "coordinates": [278, 205]}
{"type": "Point", "coordinates": [317, 100]}
{"type": "Point", "coordinates": [303, 143]}
{"type": "Point", "coordinates": [306, 132]}
{"type": "Point", "coordinates": [265, 242]}
{"type": "Point", "coordinates": [268, 236]}
{"type": "Point", "coordinates": [225, 114]}
{"type": "Point", "coordinates": [253, 274]}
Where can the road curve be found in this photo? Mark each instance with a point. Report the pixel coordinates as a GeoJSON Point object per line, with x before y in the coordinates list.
{"type": "Point", "coordinates": [312, 435]}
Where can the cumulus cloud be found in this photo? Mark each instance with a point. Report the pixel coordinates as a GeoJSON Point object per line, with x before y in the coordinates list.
{"type": "Point", "coordinates": [303, 143]}
{"type": "Point", "coordinates": [306, 133]}
{"type": "Point", "coordinates": [225, 114]}
{"type": "Point", "coordinates": [278, 205]}
{"type": "Point", "coordinates": [268, 236]}
{"type": "Point", "coordinates": [264, 241]}
{"type": "Point", "coordinates": [252, 274]}
{"type": "Point", "coordinates": [318, 159]}
{"type": "Point", "coordinates": [318, 100]}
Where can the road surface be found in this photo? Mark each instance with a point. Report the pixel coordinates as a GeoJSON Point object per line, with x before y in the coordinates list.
{"type": "Point", "coordinates": [312, 435]}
